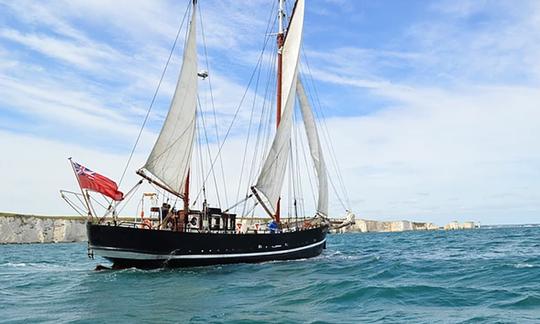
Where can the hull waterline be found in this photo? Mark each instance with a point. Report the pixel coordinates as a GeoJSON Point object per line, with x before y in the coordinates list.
{"type": "Point", "coordinates": [144, 248]}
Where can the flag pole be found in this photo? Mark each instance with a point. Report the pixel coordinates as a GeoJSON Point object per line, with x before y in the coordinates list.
{"type": "Point", "coordinates": [90, 216]}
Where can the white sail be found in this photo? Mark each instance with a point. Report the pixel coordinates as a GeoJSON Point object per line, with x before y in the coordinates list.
{"type": "Point", "coordinates": [314, 148]}
{"type": "Point", "coordinates": [170, 158]}
{"type": "Point", "coordinates": [271, 178]}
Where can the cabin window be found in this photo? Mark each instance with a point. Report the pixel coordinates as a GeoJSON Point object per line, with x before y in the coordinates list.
{"type": "Point", "coordinates": [215, 222]}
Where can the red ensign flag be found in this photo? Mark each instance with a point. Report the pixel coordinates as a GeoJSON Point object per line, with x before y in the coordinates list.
{"type": "Point", "coordinates": [94, 181]}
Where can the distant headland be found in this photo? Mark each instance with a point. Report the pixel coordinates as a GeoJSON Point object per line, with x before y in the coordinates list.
{"type": "Point", "coordinates": [351, 225]}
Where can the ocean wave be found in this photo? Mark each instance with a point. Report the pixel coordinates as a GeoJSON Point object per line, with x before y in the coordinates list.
{"type": "Point", "coordinates": [14, 265]}
{"type": "Point", "coordinates": [528, 302]}
{"type": "Point", "coordinates": [524, 265]}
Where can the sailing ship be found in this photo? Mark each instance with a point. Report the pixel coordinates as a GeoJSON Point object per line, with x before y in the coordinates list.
{"type": "Point", "coordinates": [188, 236]}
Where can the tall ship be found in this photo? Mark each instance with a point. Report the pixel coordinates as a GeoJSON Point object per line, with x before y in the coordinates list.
{"type": "Point", "coordinates": [185, 227]}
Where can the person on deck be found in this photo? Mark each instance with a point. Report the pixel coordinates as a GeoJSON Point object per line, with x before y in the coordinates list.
{"type": "Point", "coordinates": [273, 227]}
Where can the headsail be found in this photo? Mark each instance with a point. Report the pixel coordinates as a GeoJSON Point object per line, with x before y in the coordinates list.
{"type": "Point", "coordinates": [314, 148]}
{"type": "Point", "coordinates": [170, 158]}
{"type": "Point", "coordinates": [272, 174]}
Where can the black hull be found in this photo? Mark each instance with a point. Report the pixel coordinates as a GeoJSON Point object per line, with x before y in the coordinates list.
{"type": "Point", "coordinates": [144, 248]}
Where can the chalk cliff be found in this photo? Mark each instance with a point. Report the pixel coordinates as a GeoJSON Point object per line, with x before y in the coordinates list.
{"type": "Point", "coordinates": [457, 226]}
{"type": "Point", "coordinates": [364, 225]}
{"type": "Point", "coordinates": [16, 228]}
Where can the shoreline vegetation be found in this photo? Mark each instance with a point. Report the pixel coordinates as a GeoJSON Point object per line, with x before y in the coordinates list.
{"type": "Point", "coordinates": [25, 228]}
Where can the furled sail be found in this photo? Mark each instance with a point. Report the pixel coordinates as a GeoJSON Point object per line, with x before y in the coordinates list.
{"type": "Point", "coordinates": [271, 178]}
{"type": "Point", "coordinates": [170, 158]}
{"type": "Point", "coordinates": [314, 148]}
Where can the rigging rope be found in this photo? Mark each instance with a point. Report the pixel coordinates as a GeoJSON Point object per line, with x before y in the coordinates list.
{"type": "Point", "coordinates": [209, 154]}
{"type": "Point", "coordinates": [326, 136]}
{"type": "Point", "coordinates": [235, 116]}
{"type": "Point", "coordinates": [79, 210]}
{"type": "Point", "coordinates": [299, 139]}
{"type": "Point", "coordinates": [247, 137]}
{"type": "Point", "coordinates": [212, 101]}
{"type": "Point", "coordinates": [306, 163]}
{"type": "Point", "coordinates": [250, 126]}
{"type": "Point", "coordinates": [265, 121]}
{"type": "Point", "coordinates": [154, 96]}
{"type": "Point", "coordinates": [200, 160]}
{"type": "Point", "coordinates": [129, 199]}
{"type": "Point", "coordinates": [199, 163]}
{"type": "Point", "coordinates": [264, 126]}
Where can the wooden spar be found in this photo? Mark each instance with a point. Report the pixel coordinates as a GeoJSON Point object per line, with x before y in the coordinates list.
{"type": "Point", "coordinates": [266, 209]}
{"type": "Point", "coordinates": [280, 41]}
{"type": "Point", "coordinates": [186, 194]}
{"type": "Point", "coordinates": [141, 173]}
{"type": "Point", "coordinates": [185, 197]}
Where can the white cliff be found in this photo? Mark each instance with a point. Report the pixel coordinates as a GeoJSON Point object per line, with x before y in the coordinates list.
{"type": "Point", "coordinates": [457, 226]}
{"type": "Point", "coordinates": [16, 228]}
{"type": "Point", "coordinates": [364, 225]}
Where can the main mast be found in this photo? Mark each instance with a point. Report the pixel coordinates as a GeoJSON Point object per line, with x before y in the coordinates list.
{"type": "Point", "coordinates": [272, 175]}
{"type": "Point", "coordinates": [186, 194]}
{"type": "Point", "coordinates": [185, 198]}
{"type": "Point", "coordinates": [280, 40]}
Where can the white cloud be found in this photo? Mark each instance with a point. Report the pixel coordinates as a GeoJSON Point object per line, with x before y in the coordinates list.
{"type": "Point", "coordinates": [113, 98]}
{"type": "Point", "coordinates": [83, 56]}
{"type": "Point", "coordinates": [439, 155]}
{"type": "Point", "coordinates": [36, 169]}
{"type": "Point", "coordinates": [456, 136]}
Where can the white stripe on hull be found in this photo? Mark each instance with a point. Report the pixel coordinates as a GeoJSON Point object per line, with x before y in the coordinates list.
{"type": "Point", "coordinates": [116, 253]}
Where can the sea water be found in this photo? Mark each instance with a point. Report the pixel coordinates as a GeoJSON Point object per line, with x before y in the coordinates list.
{"type": "Point", "coordinates": [475, 276]}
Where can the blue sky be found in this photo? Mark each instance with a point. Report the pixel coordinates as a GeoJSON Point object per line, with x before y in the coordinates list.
{"type": "Point", "coordinates": [432, 105]}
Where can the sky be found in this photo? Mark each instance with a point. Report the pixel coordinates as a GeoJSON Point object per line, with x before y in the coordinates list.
{"type": "Point", "coordinates": [433, 107]}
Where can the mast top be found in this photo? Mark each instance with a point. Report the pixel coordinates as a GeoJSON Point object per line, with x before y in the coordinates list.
{"type": "Point", "coordinates": [281, 15]}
